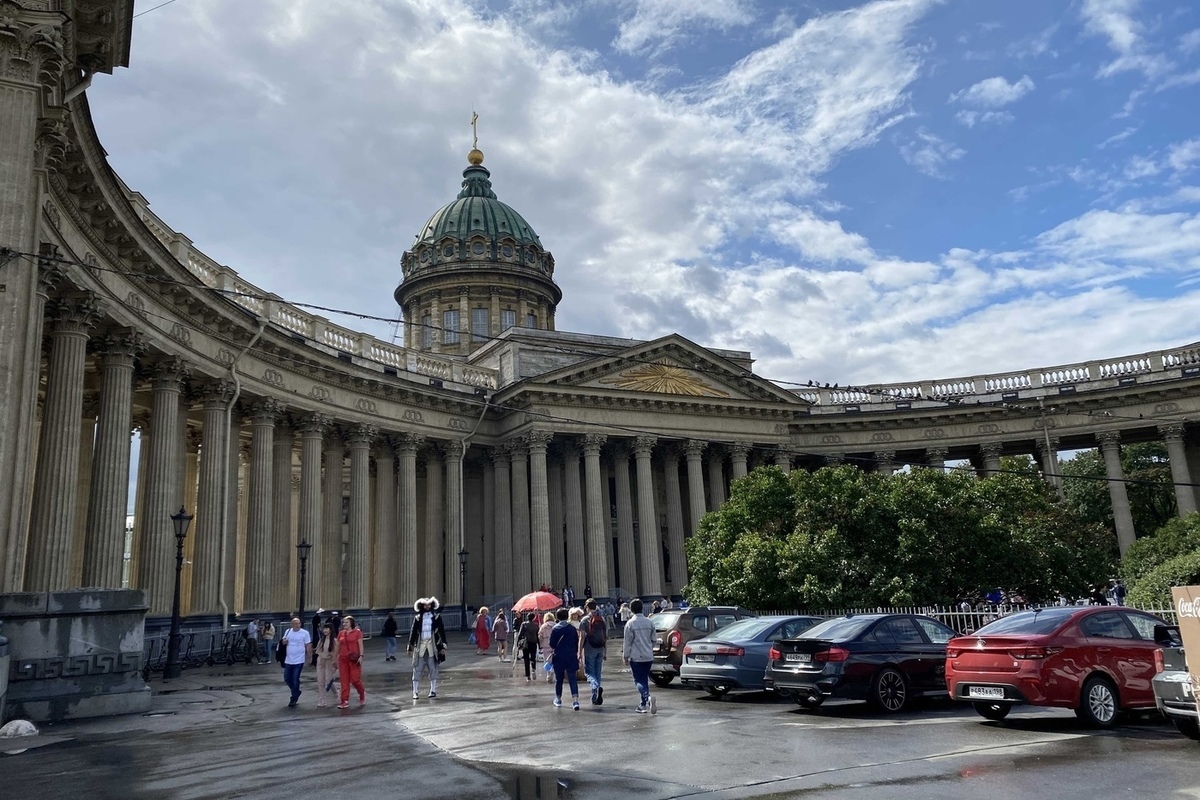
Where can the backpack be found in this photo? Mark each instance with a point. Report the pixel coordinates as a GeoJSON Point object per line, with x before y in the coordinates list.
{"type": "Point", "coordinates": [597, 636]}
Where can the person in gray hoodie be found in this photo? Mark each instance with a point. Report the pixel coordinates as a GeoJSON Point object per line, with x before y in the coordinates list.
{"type": "Point", "coordinates": [638, 651]}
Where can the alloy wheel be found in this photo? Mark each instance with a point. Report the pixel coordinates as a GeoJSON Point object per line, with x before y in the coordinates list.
{"type": "Point", "coordinates": [891, 691]}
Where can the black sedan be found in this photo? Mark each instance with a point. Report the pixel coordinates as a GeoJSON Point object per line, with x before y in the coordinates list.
{"type": "Point", "coordinates": [885, 659]}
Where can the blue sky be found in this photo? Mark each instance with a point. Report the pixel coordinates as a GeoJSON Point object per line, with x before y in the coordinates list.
{"type": "Point", "coordinates": [856, 192]}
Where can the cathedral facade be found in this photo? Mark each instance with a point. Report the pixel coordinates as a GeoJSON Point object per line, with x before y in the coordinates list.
{"type": "Point", "coordinates": [484, 455]}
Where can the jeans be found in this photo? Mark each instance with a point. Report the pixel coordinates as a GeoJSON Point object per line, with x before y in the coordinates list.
{"type": "Point", "coordinates": [389, 646]}
{"type": "Point", "coordinates": [641, 678]}
{"type": "Point", "coordinates": [593, 663]}
{"type": "Point", "coordinates": [529, 654]}
{"type": "Point", "coordinates": [291, 676]}
{"type": "Point", "coordinates": [559, 674]}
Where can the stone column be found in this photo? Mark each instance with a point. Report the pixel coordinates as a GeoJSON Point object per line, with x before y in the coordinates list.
{"type": "Point", "coordinates": [597, 517]}
{"type": "Point", "coordinates": [87, 448]}
{"type": "Point", "coordinates": [502, 555]}
{"type": "Point", "coordinates": [649, 544]}
{"type": "Point", "coordinates": [455, 535]}
{"type": "Point", "coordinates": [576, 549]}
{"type": "Point", "coordinates": [328, 592]}
{"type": "Point", "coordinates": [483, 554]}
{"type": "Point", "coordinates": [282, 546]}
{"type": "Point", "coordinates": [1185, 498]}
{"type": "Point", "coordinates": [558, 536]}
{"type": "Point", "coordinates": [783, 459]}
{"type": "Point", "coordinates": [409, 586]}
{"type": "Point", "coordinates": [206, 529]}
{"type": "Point", "coordinates": [991, 458]}
{"type": "Point", "coordinates": [232, 519]}
{"type": "Point", "coordinates": [432, 578]}
{"type": "Point", "coordinates": [261, 561]}
{"type": "Point", "coordinates": [383, 585]}
{"type": "Point", "coordinates": [935, 457]}
{"type": "Point", "coordinates": [464, 338]}
{"type": "Point", "coordinates": [191, 493]}
{"type": "Point", "coordinates": [626, 548]}
{"type": "Point", "coordinates": [104, 536]}
{"type": "Point", "coordinates": [31, 51]}
{"type": "Point", "coordinates": [156, 568]}
{"type": "Point", "coordinates": [885, 461]}
{"type": "Point", "coordinates": [358, 551]}
{"type": "Point", "coordinates": [1047, 448]}
{"type": "Point", "coordinates": [716, 478]}
{"type": "Point", "coordinates": [738, 454]}
{"type": "Point", "coordinates": [141, 426]}
{"type": "Point", "coordinates": [695, 473]}
{"type": "Point", "coordinates": [52, 525]}
{"type": "Point", "coordinates": [539, 508]}
{"type": "Point", "coordinates": [608, 504]}
{"type": "Point", "coordinates": [522, 567]}
{"type": "Point", "coordinates": [675, 528]}
{"type": "Point", "coordinates": [312, 433]}
{"type": "Point", "coordinates": [1110, 447]}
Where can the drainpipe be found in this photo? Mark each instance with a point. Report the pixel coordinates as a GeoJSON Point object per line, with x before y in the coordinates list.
{"type": "Point", "coordinates": [237, 390]}
{"type": "Point", "coordinates": [79, 88]}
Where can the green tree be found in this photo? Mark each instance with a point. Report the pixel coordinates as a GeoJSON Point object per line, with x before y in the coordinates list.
{"type": "Point", "coordinates": [1153, 590]}
{"type": "Point", "coordinates": [1150, 487]}
{"type": "Point", "coordinates": [1179, 536]}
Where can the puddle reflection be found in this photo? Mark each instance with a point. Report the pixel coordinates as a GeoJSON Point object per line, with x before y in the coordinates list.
{"type": "Point", "coordinates": [537, 786]}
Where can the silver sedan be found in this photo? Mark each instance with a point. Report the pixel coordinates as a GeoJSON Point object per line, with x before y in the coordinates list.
{"type": "Point", "coordinates": [735, 657]}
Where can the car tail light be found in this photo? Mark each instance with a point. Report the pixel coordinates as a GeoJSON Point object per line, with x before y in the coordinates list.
{"type": "Point", "coordinates": [730, 651]}
{"type": "Point", "coordinates": [1159, 666]}
{"type": "Point", "coordinates": [832, 655]}
{"type": "Point", "coordinates": [775, 655]}
{"type": "Point", "coordinates": [1033, 653]}
{"type": "Point", "coordinates": [952, 652]}
{"type": "Point", "coordinates": [687, 650]}
{"type": "Point", "coordinates": [674, 639]}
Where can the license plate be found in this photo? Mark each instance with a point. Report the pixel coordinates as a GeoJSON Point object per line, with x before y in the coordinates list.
{"type": "Point", "coordinates": [803, 658]}
{"type": "Point", "coordinates": [989, 692]}
{"type": "Point", "coordinates": [702, 658]}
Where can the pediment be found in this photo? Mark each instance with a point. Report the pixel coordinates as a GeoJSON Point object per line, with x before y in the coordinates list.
{"type": "Point", "coordinates": [671, 366]}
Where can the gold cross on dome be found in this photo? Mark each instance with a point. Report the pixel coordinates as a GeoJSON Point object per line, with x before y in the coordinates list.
{"type": "Point", "coordinates": [474, 131]}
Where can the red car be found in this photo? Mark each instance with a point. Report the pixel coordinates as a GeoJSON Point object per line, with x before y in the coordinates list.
{"type": "Point", "coordinates": [1097, 660]}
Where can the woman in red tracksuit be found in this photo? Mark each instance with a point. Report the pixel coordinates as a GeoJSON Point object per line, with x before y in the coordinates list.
{"type": "Point", "coordinates": [349, 657]}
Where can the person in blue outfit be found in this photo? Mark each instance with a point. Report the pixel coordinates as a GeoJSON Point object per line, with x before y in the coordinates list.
{"type": "Point", "coordinates": [564, 642]}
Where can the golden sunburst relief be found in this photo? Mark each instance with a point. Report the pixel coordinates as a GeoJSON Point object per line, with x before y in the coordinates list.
{"type": "Point", "coordinates": [663, 379]}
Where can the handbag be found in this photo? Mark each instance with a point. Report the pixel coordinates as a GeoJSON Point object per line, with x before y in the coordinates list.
{"type": "Point", "coordinates": [441, 655]}
{"type": "Point", "coordinates": [281, 652]}
{"type": "Point", "coordinates": [354, 657]}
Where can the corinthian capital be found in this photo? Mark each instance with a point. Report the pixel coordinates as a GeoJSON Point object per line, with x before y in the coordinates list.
{"type": "Point", "coordinates": [592, 443]}
{"type": "Point", "coordinates": [76, 313]}
{"type": "Point", "coordinates": [31, 45]}
{"type": "Point", "coordinates": [1109, 439]}
{"type": "Point", "coordinates": [643, 445]}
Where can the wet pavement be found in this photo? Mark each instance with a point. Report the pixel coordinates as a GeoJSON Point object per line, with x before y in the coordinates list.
{"type": "Point", "coordinates": [225, 732]}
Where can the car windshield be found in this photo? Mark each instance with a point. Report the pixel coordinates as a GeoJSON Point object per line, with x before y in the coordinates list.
{"type": "Point", "coordinates": [839, 629]}
{"type": "Point", "coordinates": [744, 629]}
{"type": "Point", "coordinates": [666, 620]}
{"type": "Point", "coordinates": [1042, 621]}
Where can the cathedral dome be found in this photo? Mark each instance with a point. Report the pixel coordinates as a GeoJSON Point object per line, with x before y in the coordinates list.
{"type": "Point", "coordinates": [476, 210]}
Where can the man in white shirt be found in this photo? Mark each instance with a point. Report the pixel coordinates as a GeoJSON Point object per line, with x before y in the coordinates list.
{"type": "Point", "coordinates": [299, 651]}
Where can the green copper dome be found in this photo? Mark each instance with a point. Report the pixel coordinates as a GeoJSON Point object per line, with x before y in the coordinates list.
{"type": "Point", "coordinates": [477, 211]}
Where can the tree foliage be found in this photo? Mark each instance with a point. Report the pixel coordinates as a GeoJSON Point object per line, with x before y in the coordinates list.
{"type": "Point", "coordinates": [1179, 536]}
{"type": "Point", "coordinates": [1153, 590]}
{"type": "Point", "coordinates": [1151, 490]}
{"type": "Point", "coordinates": [841, 537]}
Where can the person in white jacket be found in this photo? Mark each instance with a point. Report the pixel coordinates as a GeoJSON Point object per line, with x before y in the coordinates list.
{"type": "Point", "coordinates": [638, 651]}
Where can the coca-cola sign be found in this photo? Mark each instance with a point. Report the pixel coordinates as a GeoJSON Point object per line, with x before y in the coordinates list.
{"type": "Point", "coordinates": [1187, 607]}
{"type": "Point", "coordinates": [1187, 617]}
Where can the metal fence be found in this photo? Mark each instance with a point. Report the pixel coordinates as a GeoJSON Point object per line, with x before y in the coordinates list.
{"type": "Point", "coordinates": [961, 620]}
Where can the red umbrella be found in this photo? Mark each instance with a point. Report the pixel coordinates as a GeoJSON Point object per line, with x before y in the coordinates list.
{"type": "Point", "coordinates": [538, 601]}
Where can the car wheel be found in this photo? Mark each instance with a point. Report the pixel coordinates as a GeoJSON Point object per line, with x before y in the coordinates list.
{"type": "Point", "coordinates": [1187, 726]}
{"type": "Point", "coordinates": [662, 681]}
{"type": "Point", "coordinates": [808, 701]}
{"type": "Point", "coordinates": [993, 711]}
{"type": "Point", "coordinates": [889, 690]}
{"type": "Point", "coordinates": [1098, 705]}
{"type": "Point", "coordinates": [717, 691]}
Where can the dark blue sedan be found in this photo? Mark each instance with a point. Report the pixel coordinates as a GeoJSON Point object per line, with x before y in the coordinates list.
{"type": "Point", "coordinates": [735, 657]}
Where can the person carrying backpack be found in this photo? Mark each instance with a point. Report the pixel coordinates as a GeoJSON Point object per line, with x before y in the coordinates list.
{"type": "Point", "coordinates": [593, 648]}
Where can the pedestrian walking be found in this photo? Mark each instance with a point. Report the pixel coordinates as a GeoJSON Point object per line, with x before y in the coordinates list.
{"type": "Point", "coordinates": [299, 650]}
{"type": "Point", "coordinates": [638, 651]}
{"type": "Point", "coordinates": [350, 661]}
{"type": "Point", "coordinates": [427, 644]}
{"type": "Point", "coordinates": [388, 634]}
{"type": "Point", "coordinates": [564, 644]}
{"type": "Point", "coordinates": [544, 641]}
{"type": "Point", "coordinates": [527, 641]}
{"type": "Point", "coordinates": [250, 634]}
{"type": "Point", "coordinates": [268, 638]}
{"type": "Point", "coordinates": [483, 634]}
{"type": "Point", "coordinates": [326, 656]}
{"type": "Point", "coordinates": [593, 647]}
{"type": "Point", "coordinates": [500, 631]}
{"type": "Point", "coordinates": [1118, 592]}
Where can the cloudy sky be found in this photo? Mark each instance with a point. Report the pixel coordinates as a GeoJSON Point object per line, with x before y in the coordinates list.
{"type": "Point", "coordinates": [856, 192]}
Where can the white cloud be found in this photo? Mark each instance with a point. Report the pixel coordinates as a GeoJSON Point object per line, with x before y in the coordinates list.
{"type": "Point", "coordinates": [994, 92]}
{"type": "Point", "coordinates": [929, 153]}
{"type": "Point", "coordinates": [1140, 167]}
{"type": "Point", "coordinates": [1114, 20]}
{"type": "Point", "coordinates": [657, 25]}
{"type": "Point", "coordinates": [1190, 41]}
{"type": "Point", "coordinates": [973, 118]}
{"type": "Point", "coordinates": [1183, 155]}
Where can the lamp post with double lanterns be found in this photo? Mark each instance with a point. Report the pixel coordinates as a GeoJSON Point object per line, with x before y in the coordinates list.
{"type": "Point", "coordinates": [462, 581]}
{"type": "Point", "coordinates": [302, 549]}
{"type": "Point", "coordinates": [171, 668]}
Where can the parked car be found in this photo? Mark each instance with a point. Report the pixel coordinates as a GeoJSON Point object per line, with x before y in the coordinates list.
{"type": "Point", "coordinates": [1097, 660]}
{"type": "Point", "coordinates": [1174, 692]}
{"type": "Point", "coordinates": [675, 627]}
{"type": "Point", "coordinates": [735, 657]}
{"type": "Point", "coordinates": [885, 659]}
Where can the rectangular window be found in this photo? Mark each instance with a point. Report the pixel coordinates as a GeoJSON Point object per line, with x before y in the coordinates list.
{"type": "Point", "coordinates": [426, 332]}
{"type": "Point", "coordinates": [531, 321]}
{"type": "Point", "coordinates": [508, 319]}
{"type": "Point", "coordinates": [479, 324]}
{"type": "Point", "coordinates": [450, 327]}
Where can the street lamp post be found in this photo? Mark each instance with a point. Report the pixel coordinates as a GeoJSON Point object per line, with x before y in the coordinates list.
{"type": "Point", "coordinates": [302, 549]}
{"type": "Point", "coordinates": [181, 522]}
{"type": "Point", "coordinates": [462, 582]}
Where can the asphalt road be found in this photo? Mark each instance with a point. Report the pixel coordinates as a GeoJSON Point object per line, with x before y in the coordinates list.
{"type": "Point", "coordinates": [225, 732]}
